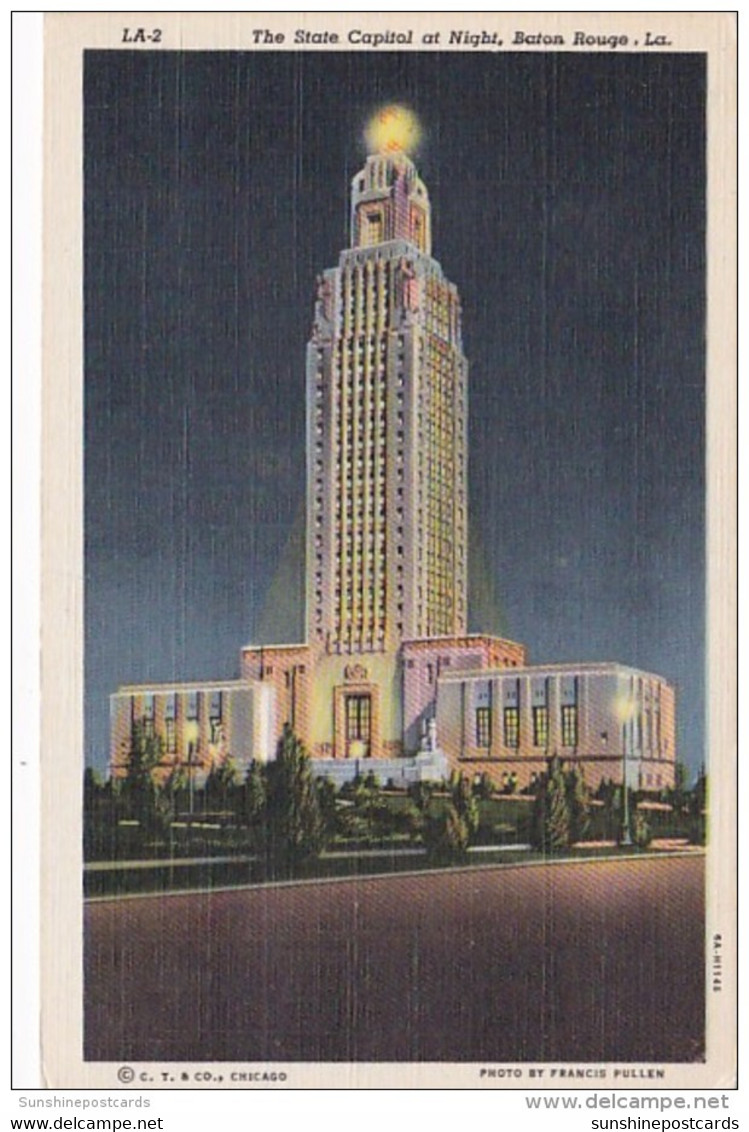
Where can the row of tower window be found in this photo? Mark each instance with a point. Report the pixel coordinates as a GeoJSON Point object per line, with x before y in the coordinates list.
{"type": "Point", "coordinates": [366, 304]}
{"type": "Point", "coordinates": [370, 340]}
{"type": "Point", "coordinates": [352, 357]}
{"type": "Point", "coordinates": [539, 721]}
{"type": "Point", "coordinates": [192, 704]}
{"type": "Point", "coordinates": [194, 710]}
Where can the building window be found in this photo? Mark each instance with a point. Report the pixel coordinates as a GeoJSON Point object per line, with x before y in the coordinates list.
{"type": "Point", "coordinates": [215, 716]}
{"type": "Point", "coordinates": [540, 726]}
{"type": "Point", "coordinates": [374, 228]}
{"type": "Point", "coordinates": [358, 716]}
{"type": "Point", "coordinates": [569, 725]}
{"type": "Point", "coordinates": [149, 712]}
{"type": "Point", "coordinates": [170, 714]}
{"type": "Point", "coordinates": [483, 726]}
{"type": "Point", "coordinates": [512, 727]}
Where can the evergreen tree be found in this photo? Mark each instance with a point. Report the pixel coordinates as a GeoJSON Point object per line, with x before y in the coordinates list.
{"type": "Point", "coordinates": [295, 825]}
{"type": "Point", "coordinates": [698, 800]}
{"type": "Point", "coordinates": [255, 794]}
{"type": "Point", "coordinates": [577, 800]}
{"type": "Point", "coordinates": [446, 836]}
{"type": "Point", "coordinates": [326, 797]}
{"type": "Point", "coordinates": [251, 804]}
{"type": "Point", "coordinates": [97, 813]}
{"type": "Point", "coordinates": [465, 803]}
{"type": "Point", "coordinates": [92, 789]}
{"type": "Point", "coordinates": [608, 793]}
{"type": "Point", "coordinates": [167, 797]}
{"type": "Point", "coordinates": [678, 795]}
{"type": "Point", "coordinates": [557, 812]}
{"type": "Point", "coordinates": [550, 822]}
{"type": "Point", "coordinates": [139, 788]}
{"type": "Point", "coordinates": [220, 784]}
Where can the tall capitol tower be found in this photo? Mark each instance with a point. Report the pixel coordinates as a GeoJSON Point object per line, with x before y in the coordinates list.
{"type": "Point", "coordinates": [387, 524]}
{"type": "Point", "coordinates": [386, 429]}
{"type": "Point", "coordinates": [388, 676]}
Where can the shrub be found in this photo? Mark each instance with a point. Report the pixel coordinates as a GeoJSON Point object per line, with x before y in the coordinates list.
{"type": "Point", "coordinates": [510, 785]}
{"type": "Point", "coordinates": [355, 826]}
{"type": "Point", "coordinates": [411, 821]}
{"type": "Point", "coordinates": [483, 788]}
{"type": "Point", "coordinates": [698, 829]}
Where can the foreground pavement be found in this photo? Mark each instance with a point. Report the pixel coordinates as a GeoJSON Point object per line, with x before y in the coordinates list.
{"type": "Point", "coordinates": [587, 961]}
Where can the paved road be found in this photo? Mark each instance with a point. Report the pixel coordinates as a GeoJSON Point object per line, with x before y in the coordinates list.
{"type": "Point", "coordinates": [580, 962]}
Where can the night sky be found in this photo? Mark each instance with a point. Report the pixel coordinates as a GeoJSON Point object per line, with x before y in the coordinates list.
{"type": "Point", "coordinates": [568, 206]}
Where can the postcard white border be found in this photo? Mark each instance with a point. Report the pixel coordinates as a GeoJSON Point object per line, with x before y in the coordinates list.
{"type": "Point", "coordinates": [66, 36]}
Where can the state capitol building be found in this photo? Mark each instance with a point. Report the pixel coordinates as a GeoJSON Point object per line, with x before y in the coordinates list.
{"type": "Point", "coordinates": [388, 678]}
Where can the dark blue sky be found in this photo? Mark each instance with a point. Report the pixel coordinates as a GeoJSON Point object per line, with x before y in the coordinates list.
{"type": "Point", "coordinates": [568, 207]}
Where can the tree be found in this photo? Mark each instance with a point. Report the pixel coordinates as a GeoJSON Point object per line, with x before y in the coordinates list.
{"type": "Point", "coordinates": [550, 824]}
{"type": "Point", "coordinates": [139, 788]}
{"type": "Point", "coordinates": [99, 815]}
{"type": "Point", "coordinates": [92, 788]}
{"type": "Point", "coordinates": [446, 836]}
{"type": "Point", "coordinates": [220, 784]}
{"type": "Point", "coordinates": [326, 797]}
{"type": "Point", "coordinates": [255, 794]}
{"type": "Point", "coordinates": [167, 797]}
{"type": "Point", "coordinates": [610, 794]}
{"type": "Point", "coordinates": [698, 799]}
{"type": "Point", "coordinates": [577, 801]}
{"type": "Point", "coordinates": [294, 822]}
{"type": "Point", "coordinates": [558, 814]}
{"type": "Point", "coordinates": [677, 796]}
{"type": "Point", "coordinates": [465, 803]}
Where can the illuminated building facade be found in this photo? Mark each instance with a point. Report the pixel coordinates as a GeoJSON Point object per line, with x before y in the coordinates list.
{"type": "Point", "coordinates": [601, 717]}
{"type": "Point", "coordinates": [387, 536]}
{"type": "Point", "coordinates": [387, 412]}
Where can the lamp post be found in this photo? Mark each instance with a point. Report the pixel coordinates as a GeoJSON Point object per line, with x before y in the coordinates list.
{"type": "Point", "coordinates": [190, 784]}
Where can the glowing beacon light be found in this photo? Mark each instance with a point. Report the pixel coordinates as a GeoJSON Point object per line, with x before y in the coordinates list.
{"type": "Point", "coordinates": [393, 129]}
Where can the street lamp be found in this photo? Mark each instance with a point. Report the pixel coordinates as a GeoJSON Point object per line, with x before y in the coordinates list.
{"type": "Point", "coordinates": [624, 707]}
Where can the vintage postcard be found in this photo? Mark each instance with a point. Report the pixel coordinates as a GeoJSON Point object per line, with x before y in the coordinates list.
{"type": "Point", "coordinates": [389, 436]}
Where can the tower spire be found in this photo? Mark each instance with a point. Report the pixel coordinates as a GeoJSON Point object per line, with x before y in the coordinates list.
{"type": "Point", "coordinates": [389, 201]}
